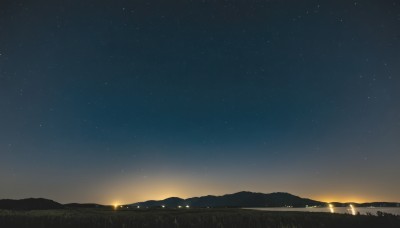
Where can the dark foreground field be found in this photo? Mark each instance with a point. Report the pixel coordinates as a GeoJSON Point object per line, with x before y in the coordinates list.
{"type": "Point", "coordinates": [229, 218]}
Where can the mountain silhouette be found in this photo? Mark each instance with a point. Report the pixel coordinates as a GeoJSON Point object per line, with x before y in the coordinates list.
{"type": "Point", "coordinates": [29, 204]}
{"type": "Point", "coordinates": [85, 205]}
{"type": "Point", "coordinates": [240, 199]}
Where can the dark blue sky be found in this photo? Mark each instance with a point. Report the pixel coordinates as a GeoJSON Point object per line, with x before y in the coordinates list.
{"type": "Point", "coordinates": [121, 101]}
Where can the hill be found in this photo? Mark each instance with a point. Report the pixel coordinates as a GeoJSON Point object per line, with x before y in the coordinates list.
{"type": "Point", "coordinates": [85, 205]}
{"type": "Point", "coordinates": [240, 199]}
{"type": "Point", "coordinates": [29, 204]}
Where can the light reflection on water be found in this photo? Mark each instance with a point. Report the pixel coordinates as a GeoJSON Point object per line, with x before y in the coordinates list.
{"type": "Point", "coordinates": [341, 210]}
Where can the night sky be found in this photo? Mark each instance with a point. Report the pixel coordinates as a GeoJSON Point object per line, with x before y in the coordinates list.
{"type": "Point", "coordinates": [124, 101]}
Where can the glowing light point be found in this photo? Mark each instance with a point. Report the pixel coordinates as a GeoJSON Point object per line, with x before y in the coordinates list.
{"type": "Point", "coordinates": [163, 206]}
{"type": "Point", "coordinates": [187, 206]}
{"type": "Point", "coordinates": [179, 206]}
{"type": "Point", "coordinates": [352, 209]}
{"type": "Point", "coordinates": [331, 208]}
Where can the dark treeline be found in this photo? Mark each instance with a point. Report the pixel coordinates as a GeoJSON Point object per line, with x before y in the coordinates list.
{"type": "Point", "coordinates": [210, 218]}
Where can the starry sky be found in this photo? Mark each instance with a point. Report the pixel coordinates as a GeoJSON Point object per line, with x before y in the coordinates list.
{"type": "Point", "coordinates": [129, 100]}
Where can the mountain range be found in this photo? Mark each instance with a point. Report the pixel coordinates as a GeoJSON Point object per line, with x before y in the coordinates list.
{"type": "Point", "coordinates": [238, 200]}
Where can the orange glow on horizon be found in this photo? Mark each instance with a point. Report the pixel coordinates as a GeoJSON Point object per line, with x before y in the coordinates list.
{"type": "Point", "coordinates": [116, 204]}
{"type": "Point", "coordinates": [344, 199]}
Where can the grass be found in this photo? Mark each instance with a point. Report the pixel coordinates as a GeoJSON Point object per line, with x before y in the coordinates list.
{"type": "Point", "coordinates": [166, 218]}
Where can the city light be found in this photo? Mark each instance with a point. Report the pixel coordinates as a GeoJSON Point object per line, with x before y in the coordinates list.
{"type": "Point", "coordinates": [331, 208]}
{"type": "Point", "coordinates": [352, 209]}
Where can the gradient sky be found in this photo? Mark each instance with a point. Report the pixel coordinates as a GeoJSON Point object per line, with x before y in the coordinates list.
{"type": "Point", "coordinates": [124, 101]}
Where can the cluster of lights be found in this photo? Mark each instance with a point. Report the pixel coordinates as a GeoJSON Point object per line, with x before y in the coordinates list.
{"type": "Point", "coordinates": [116, 206]}
{"type": "Point", "coordinates": [351, 209]}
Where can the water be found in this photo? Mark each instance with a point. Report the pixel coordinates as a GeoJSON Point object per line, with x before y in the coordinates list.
{"type": "Point", "coordinates": [342, 210]}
